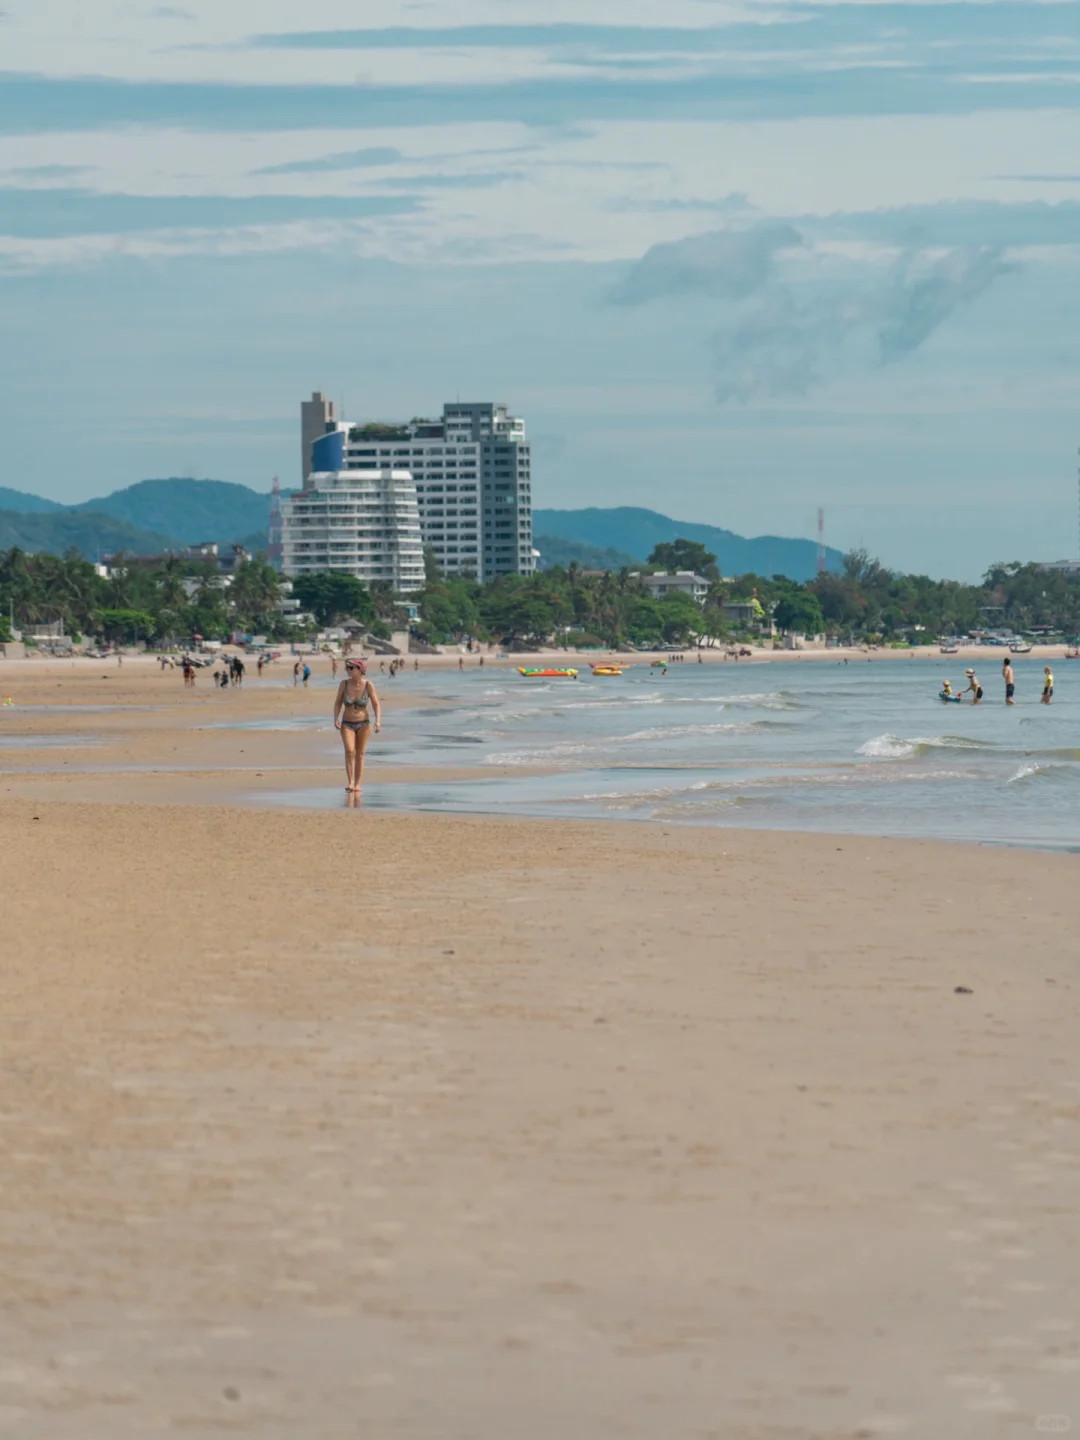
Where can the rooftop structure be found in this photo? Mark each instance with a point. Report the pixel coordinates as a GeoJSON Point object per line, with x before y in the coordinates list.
{"type": "Point", "coordinates": [317, 415]}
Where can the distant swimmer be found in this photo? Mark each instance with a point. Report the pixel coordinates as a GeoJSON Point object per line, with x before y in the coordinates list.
{"type": "Point", "coordinates": [973, 687]}
{"type": "Point", "coordinates": [1010, 681]}
{"type": "Point", "coordinates": [1048, 685]}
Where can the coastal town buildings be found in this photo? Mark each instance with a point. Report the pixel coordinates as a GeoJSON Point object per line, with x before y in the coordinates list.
{"type": "Point", "coordinates": [660, 584]}
{"type": "Point", "coordinates": [363, 523]}
{"type": "Point", "coordinates": [472, 471]}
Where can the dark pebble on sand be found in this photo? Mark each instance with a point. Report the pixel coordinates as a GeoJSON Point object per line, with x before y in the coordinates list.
{"type": "Point", "coordinates": [962, 990]}
{"type": "Point", "coordinates": [231, 1393]}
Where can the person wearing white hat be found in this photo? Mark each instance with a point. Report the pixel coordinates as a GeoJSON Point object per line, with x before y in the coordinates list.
{"type": "Point", "coordinates": [973, 686]}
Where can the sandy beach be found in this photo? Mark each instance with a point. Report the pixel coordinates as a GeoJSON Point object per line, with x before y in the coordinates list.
{"type": "Point", "coordinates": [328, 1124]}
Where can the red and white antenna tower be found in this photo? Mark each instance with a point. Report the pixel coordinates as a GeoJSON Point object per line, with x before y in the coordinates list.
{"type": "Point", "coordinates": [275, 525]}
{"type": "Point", "coordinates": [822, 562]}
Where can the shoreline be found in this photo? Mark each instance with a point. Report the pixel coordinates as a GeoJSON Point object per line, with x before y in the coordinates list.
{"type": "Point", "coordinates": [987, 655]}
{"type": "Point", "coordinates": [134, 735]}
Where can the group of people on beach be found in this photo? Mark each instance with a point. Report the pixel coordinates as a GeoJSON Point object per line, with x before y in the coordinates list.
{"type": "Point", "coordinates": [975, 690]}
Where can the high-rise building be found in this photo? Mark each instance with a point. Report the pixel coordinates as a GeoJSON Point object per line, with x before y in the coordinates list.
{"type": "Point", "coordinates": [317, 415]}
{"type": "Point", "coordinates": [473, 475]}
{"type": "Point", "coordinates": [363, 523]}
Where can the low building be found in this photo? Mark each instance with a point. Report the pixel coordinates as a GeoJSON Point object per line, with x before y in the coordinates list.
{"type": "Point", "coordinates": [683, 582]}
{"type": "Point", "coordinates": [363, 523]}
{"type": "Point", "coordinates": [227, 558]}
{"type": "Point", "coordinates": [748, 615]}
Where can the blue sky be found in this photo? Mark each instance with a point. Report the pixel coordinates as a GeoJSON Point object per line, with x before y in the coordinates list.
{"type": "Point", "coordinates": [730, 260]}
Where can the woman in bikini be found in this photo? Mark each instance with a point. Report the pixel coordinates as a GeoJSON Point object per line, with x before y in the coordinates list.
{"type": "Point", "coordinates": [354, 695]}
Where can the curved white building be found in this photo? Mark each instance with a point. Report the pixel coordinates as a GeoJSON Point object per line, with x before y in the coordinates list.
{"type": "Point", "coordinates": [361, 522]}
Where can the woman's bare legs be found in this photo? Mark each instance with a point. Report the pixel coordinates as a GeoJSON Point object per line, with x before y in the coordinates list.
{"type": "Point", "coordinates": [363, 735]}
{"type": "Point", "coordinates": [348, 739]}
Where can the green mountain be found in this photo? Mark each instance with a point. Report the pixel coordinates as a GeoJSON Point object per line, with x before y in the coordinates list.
{"type": "Point", "coordinates": [633, 531]}
{"type": "Point", "coordinates": [189, 510]}
{"type": "Point", "coordinates": [91, 534]}
{"type": "Point", "coordinates": [556, 551]}
{"type": "Point", "coordinates": [27, 504]}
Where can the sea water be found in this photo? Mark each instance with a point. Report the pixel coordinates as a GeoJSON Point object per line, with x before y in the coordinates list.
{"type": "Point", "coordinates": [865, 747]}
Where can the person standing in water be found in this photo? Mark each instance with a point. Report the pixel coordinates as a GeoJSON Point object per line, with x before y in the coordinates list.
{"type": "Point", "coordinates": [1048, 685]}
{"type": "Point", "coordinates": [1010, 681]}
{"type": "Point", "coordinates": [973, 686]}
{"type": "Point", "coordinates": [355, 695]}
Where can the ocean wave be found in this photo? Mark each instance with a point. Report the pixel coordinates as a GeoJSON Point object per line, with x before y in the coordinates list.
{"type": "Point", "coordinates": [1032, 770]}
{"type": "Point", "coordinates": [889, 747]}
{"type": "Point", "coordinates": [548, 755]}
{"type": "Point", "coordinates": [899, 747]}
{"type": "Point", "coordinates": [678, 732]}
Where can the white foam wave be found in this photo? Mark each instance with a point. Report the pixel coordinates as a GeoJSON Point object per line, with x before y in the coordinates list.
{"type": "Point", "coordinates": [889, 747]}
{"type": "Point", "coordinates": [675, 732]}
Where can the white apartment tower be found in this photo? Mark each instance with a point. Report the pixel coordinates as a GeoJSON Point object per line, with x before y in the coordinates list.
{"type": "Point", "coordinates": [364, 523]}
{"type": "Point", "coordinates": [473, 475]}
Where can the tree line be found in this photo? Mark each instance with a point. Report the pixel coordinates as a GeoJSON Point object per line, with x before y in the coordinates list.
{"type": "Point", "coordinates": [175, 600]}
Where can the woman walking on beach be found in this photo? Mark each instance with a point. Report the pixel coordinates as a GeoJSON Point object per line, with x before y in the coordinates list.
{"type": "Point", "coordinates": [354, 696]}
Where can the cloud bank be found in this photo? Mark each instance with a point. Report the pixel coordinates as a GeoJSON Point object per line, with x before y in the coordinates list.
{"type": "Point", "coordinates": [786, 335]}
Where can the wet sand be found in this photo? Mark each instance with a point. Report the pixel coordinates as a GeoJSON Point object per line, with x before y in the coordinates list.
{"type": "Point", "coordinates": [327, 1124]}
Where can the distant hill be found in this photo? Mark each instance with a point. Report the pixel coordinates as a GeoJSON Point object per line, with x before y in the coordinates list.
{"type": "Point", "coordinates": [150, 516]}
{"type": "Point", "coordinates": [188, 510]}
{"type": "Point", "coordinates": [91, 534]}
{"type": "Point", "coordinates": [26, 504]}
{"type": "Point", "coordinates": [556, 551]}
{"type": "Point", "coordinates": [633, 531]}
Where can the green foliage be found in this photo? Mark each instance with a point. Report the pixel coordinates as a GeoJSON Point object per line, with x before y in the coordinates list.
{"type": "Point", "coordinates": [255, 597]}
{"type": "Point", "coordinates": [160, 602]}
{"type": "Point", "coordinates": [58, 531]}
{"type": "Point", "coordinates": [800, 613]}
{"type": "Point", "coordinates": [333, 597]}
{"type": "Point", "coordinates": [136, 602]}
{"type": "Point", "coordinates": [450, 608]}
{"type": "Point", "coordinates": [557, 552]}
{"type": "Point", "coordinates": [126, 627]}
{"type": "Point", "coordinates": [680, 554]}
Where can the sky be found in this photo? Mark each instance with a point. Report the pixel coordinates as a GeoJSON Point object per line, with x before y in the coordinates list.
{"type": "Point", "coordinates": [731, 261]}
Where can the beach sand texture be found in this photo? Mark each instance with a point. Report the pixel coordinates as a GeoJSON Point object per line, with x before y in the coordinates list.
{"type": "Point", "coordinates": [334, 1124]}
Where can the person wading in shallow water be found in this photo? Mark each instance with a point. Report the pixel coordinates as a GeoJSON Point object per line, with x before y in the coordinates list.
{"type": "Point", "coordinates": [355, 696]}
{"type": "Point", "coordinates": [1010, 681]}
{"type": "Point", "coordinates": [973, 686]}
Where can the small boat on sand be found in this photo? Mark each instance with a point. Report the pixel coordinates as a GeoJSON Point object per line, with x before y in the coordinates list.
{"type": "Point", "coordinates": [949, 649]}
{"type": "Point", "coordinates": [1020, 649]}
{"type": "Point", "coordinates": [537, 672]}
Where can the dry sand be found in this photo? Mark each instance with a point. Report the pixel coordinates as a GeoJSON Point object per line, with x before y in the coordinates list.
{"type": "Point", "coordinates": [341, 1124]}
